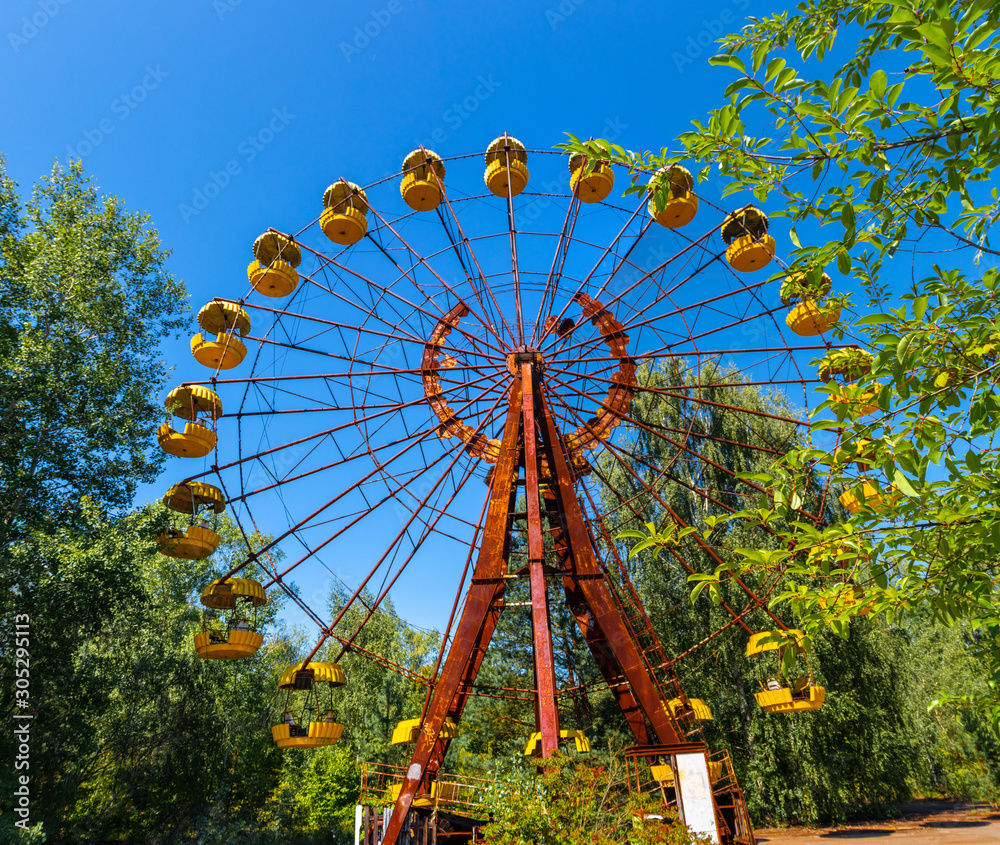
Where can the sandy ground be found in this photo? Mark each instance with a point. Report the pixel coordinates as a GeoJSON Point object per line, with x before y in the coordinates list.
{"type": "Point", "coordinates": [923, 822]}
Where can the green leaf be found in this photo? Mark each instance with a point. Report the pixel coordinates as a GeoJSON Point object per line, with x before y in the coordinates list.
{"type": "Point", "coordinates": [903, 345]}
{"type": "Point", "coordinates": [877, 83]}
{"type": "Point", "coordinates": [876, 320]}
{"type": "Point", "coordinates": [875, 192]}
{"type": "Point", "coordinates": [980, 34]}
{"type": "Point", "coordinates": [785, 78]}
{"type": "Point", "coordinates": [903, 483]}
{"type": "Point", "coordinates": [726, 60]}
{"type": "Point", "coordinates": [774, 67]}
{"type": "Point", "coordinates": [935, 34]}
{"type": "Point", "coordinates": [759, 54]}
{"type": "Point", "coordinates": [848, 219]}
{"type": "Point", "coordinates": [698, 590]}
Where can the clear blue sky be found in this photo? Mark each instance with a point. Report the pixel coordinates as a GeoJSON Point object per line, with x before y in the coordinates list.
{"type": "Point", "coordinates": [223, 117]}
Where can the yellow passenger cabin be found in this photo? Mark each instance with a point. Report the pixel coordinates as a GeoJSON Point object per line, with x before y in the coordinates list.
{"type": "Point", "coordinates": [201, 503]}
{"type": "Point", "coordinates": [345, 208]}
{"type": "Point", "coordinates": [273, 271]}
{"type": "Point", "coordinates": [201, 408]}
{"type": "Point", "coordinates": [229, 323]}
{"type": "Point", "coordinates": [229, 622]}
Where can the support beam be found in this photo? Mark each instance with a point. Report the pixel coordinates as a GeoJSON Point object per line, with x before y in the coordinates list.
{"type": "Point", "coordinates": [546, 709]}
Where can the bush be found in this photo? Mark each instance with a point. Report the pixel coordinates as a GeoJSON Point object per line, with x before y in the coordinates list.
{"type": "Point", "coordinates": [571, 802]}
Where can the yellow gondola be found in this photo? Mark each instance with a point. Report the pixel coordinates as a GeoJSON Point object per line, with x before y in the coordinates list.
{"type": "Point", "coordinates": [664, 772]}
{"type": "Point", "coordinates": [777, 694]}
{"type": "Point", "coordinates": [799, 697]}
{"type": "Point", "coordinates": [805, 286]}
{"type": "Point", "coordinates": [506, 167]}
{"type": "Point", "coordinates": [408, 730]}
{"type": "Point", "coordinates": [229, 322]}
{"type": "Point", "coordinates": [345, 207]}
{"type": "Point", "coordinates": [273, 272]}
{"type": "Point", "coordinates": [805, 292]}
{"type": "Point", "coordinates": [309, 690]}
{"type": "Point", "coordinates": [851, 364]}
{"type": "Point", "coordinates": [436, 791]}
{"type": "Point", "coordinates": [695, 706]}
{"type": "Point", "coordinates": [861, 452]}
{"type": "Point", "coordinates": [317, 735]}
{"type": "Point", "coordinates": [422, 187]}
{"type": "Point", "coordinates": [840, 555]}
{"type": "Point", "coordinates": [863, 402]}
{"type": "Point", "coordinates": [867, 495]}
{"type": "Point", "coordinates": [590, 187]}
{"type": "Point", "coordinates": [840, 559]}
{"type": "Point", "coordinates": [849, 597]}
{"type": "Point", "coordinates": [749, 246]}
{"type": "Point", "coordinates": [231, 635]}
{"type": "Point", "coordinates": [680, 205]}
{"type": "Point", "coordinates": [198, 539]}
{"type": "Point", "coordinates": [579, 740]}
{"type": "Point", "coordinates": [201, 408]}
{"type": "Point", "coordinates": [808, 319]}
{"type": "Point", "coordinates": [191, 496]}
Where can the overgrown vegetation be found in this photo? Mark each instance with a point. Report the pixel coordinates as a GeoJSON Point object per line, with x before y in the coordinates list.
{"type": "Point", "coordinates": [574, 802]}
{"type": "Point", "coordinates": [877, 120]}
{"type": "Point", "coordinates": [135, 739]}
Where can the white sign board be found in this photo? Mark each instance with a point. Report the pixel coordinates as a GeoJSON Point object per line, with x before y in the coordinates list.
{"type": "Point", "coordinates": [695, 794]}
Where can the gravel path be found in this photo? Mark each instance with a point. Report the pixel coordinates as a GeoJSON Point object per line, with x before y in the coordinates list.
{"type": "Point", "coordinates": [924, 822]}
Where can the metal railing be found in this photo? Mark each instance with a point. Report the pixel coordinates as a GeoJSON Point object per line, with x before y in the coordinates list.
{"type": "Point", "coordinates": [380, 785]}
{"type": "Point", "coordinates": [652, 773]}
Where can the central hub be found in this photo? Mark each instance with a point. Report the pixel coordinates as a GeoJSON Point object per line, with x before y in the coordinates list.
{"type": "Point", "coordinates": [524, 355]}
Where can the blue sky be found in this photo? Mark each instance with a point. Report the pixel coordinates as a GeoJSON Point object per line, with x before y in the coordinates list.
{"type": "Point", "coordinates": [223, 117]}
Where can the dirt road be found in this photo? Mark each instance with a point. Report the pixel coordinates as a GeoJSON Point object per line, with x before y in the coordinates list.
{"type": "Point", "coordinates": [923, 822]}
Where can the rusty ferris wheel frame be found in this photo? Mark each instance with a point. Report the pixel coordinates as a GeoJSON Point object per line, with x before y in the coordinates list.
{"type": "Point", "coordinates": [473, 359]}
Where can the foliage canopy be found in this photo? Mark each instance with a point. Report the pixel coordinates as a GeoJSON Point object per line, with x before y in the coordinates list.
{"type": "Point", "coordinates": [85, 299]}
{"type": "Point", "coordinates": [883, 157]}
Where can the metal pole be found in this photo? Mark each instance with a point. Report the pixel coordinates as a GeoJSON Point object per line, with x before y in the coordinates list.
{"type": "Point", "coordinates": [545, 680]}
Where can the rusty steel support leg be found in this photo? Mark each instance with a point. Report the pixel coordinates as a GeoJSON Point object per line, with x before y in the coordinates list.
{"type": "Point", "coordinates": [588, 575]}
{"type": "Point", "coordinates": [487, 585]}
{"type": "Point", "coordinates": [547, 718]}
{"type": "Point", "coordinates": [468, 679]}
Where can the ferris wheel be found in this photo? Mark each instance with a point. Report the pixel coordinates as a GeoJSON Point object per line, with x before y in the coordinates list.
{"type": "Point", "coordinates": [439, 383]}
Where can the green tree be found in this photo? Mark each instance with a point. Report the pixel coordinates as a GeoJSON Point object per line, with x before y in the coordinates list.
{"type": "Point", "coordinates": [317, 793]}
{"type": "Point", "coordinates": [826, 764]}
{"type": "Point", "coordinates": [890, 142]}
{"type": "Point", "coordinates": [85, 299]}
{"type": "Point", "coordinates": [133, 735]}
{"type": "Point", "coordinates": [380, 693]}
{"type": "Point", "coordinates": [958, 754]}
